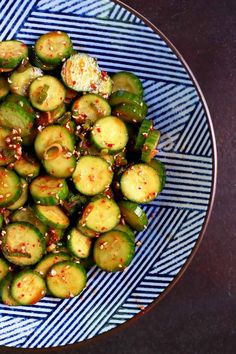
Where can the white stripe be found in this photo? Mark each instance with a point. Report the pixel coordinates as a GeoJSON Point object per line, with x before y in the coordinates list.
{"type": "Point", "coordinates": [184, 193]}
{"type": "Point", "coordinates": [198, 172]}
{"type": "Point", "coordinates": [181, 156]}
{"type": "Point", "coordinates": [208, 146]}
{"type": "Point", "coordinates": [103, 11]}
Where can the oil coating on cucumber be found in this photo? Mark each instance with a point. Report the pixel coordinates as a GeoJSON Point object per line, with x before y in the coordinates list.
{"type": "Point", "coordinates": [78, 244]}
{"type": "Point", "coordinates": [59, 162]}
{"type": "Point", "coordinates": [28, 215]}
{"type": "Point", "coordinates": [10, 187]}
{"type": "Point", "coordinates": [52, 215]}
{"type": "Point", "coordinates": [12, 52]}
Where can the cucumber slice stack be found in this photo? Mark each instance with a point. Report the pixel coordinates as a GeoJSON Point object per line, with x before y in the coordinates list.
{"type": "Point", "coordinates": [76, 161]}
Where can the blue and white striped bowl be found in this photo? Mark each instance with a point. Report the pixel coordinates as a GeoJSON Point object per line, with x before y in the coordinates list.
{"type": "Point", "coordinates": [123, 40]}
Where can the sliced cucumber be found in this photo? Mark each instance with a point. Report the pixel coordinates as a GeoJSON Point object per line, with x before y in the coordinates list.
{"type": "Point", "coordinates": [23, 197]}
{"type": "Point", "coordinates": [5, 292]}
{"type": "Point", "coordinates": [127, 81]}
{"type": "Point", "coordinates": [48, 190]}
{"type": "Point", "coordinates": [78, 244]}
{"type": "Point", "coordinates": [4, 87]}
{"type": "Point", "coordinates": [109, 133]}
{"type": "Point", "coordinates": [92, 175]}
{"type": "Point", "coordinates": [67, 122]}
{"type": "Point", "coordinates": [130, 112]}
{"type": "Point", "coordinates": [14, 116]}
{"type": "Point", "coordinates": [28, 287]}
{"type": "Point", "coordinates": [10, 187]}
{"type": "Point", "coordinates": [86, 231]}
{"type": "Point", "coordinates": [150, 145]}
{"type": "Point", "coordinates": [90, 107]}
{"type": "Point", "coordinates": [59, 163]}
{"type": "Point", "coordinates": [113, 251]}
{"type": "Point", "coordinates": [126, 229]}
{"type": "Point", "coordinates": [4, 268]}
{"type": "Point", "coordinates": [24, 104]}
{"type": "Point", "coordinates": [122, 96]}
{"type": "Point", "coordinates": [20, 81]}
{"type": "Point", "coordinates": [28, 215]}
{"type": "Point", "coordinates": [52, 216]}
{"type": "Point", "coordinates": [6, 154]}
{"type": "Point", "coordinates": [140, 183]}
{"type": "Point", "coordinates": [43, 66]}
{"type": "Point", "coordinates": [66, 279]}
{"type": "Point", "coordinates": [143, 132]}
{"type": "Point", "coordinates": [49, 260]}
{"type": "Point", "coordinates": [47, 93]}
{"type": "Point", "coordinates": [81, 73]}
{"type": "Point", "coordinates": [133, 215]}
{"type": "Point", "coordinates": [51, 135]}
{"type": "Point", "coordinates": [101, 215]}
{"type": "Point", "coordinates": [160, 169]}
{"type": "Point", "coordinates": [53, 47]}
{"type": "Point", "coordinates": [22, 243]}
{"type": "Point", "coordinates": [27, 166]}
{"type": "Point", "coordinates": [12, 52]}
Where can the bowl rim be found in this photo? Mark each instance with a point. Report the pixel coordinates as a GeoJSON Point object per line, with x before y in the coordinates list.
{"type": "Point", "coordinates": [204, 226]}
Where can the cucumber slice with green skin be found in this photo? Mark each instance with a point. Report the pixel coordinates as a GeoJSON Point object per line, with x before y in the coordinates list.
{"type": "Point", "coordinates": [113, 251]}
{"type": "Point", "coordinates": [130, 112]}
{"type": "Point", "coordinates": [122, 96]}
{"type": "Point", "coordinates": [27, 166]}
{"type": "Point", "coordinates": [150, 145]}
{"type": "Point", "coordinates": [14, 116]}
{"type": "Point", "coordinates": [126, 229]}
{"type": "Point", "coordinates": [20, 81]}
{"type": "Point", "coordinates": [66, 279]}
{"type": "Point", "coordinates": [127, 81]}
{"type": "Point", "coordinates": [52, 216]}
{"type": "Point", "coordinates": [133, 215]}
{"type": "Point", "coordinates": [4, 268]}
{"type": "Point", "coordinates": [160, 169]}
{"type": "Point", "coordinates": [12, 52]}
{"type": "Point", "coordinates": [58, 112]}
{"type": "Point", "coordinates": [144, 130]}
{"type": "Point", "coordinates": [90, 107]}
{"type": "Point", "coordinates": [51, 135]}
{"type": "Point", "coordinates": [5, 292]}
{"type": "Point", "coordinates": [74, 202]}
{"type": "Point", "coordinates": [85, 147]}
{"type": "Point", "coordinates": [28, 215]}
{"type": "Point", "coordinates": [6, 154]}
{"type": "Point", "coordinates": [101, 215]}
{"type": "Point", "coordinates": [4, 88]}
{"type": "Point", "coordinates": [43, 66]}
{"type": "Point", "coordinates": [86, 231]}
{"type": "Point", "coordinates": [140, 183]}
{"type": "Point", "coordinates": [48, 190]}
{"type": "Point", "coordinates": [24, 104]}
{"type": "Point", "coordinates": [47, 93]}
{"type": "Point", "coordinates": [23, 244]}
{"type": "Point", "coordinates": [10, 187]}
{"type": "Point", "coordinates": [104, 88]}
{"type": "Point", "coordinates": [109, 133]}
{"type": "Point", "coordinates": [78, 244]}
{"type": "Point", "coordinates": [28, 287]}
{"type": "Point", "coordinates": [59, 164]}
{"type": "Point", "coordinates": [53, 47]}
{"type": "Point", "coordinates": [23, 197]}
{"type": "Point", "coordinates": [67, 122]}
{"type": "Point", "coordinates": [92, 175]}
{"type": "Point", "coordinates": [81, 73]}
{"type": "Point", "coordinates": [49, 260]}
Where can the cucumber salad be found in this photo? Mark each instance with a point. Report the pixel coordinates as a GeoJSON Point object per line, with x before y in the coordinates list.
{"type": "Point", "coordinates": [76, 161]}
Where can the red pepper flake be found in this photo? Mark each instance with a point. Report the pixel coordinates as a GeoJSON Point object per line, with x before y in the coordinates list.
{"type": "Point", "coordinates": [18, 285]}
{"type": "Point", "coordinates": [98, 130]}
{"type": "Point", "coordinates": [109, 145]}
{"type": "Point", "coordinates": [104, 75]}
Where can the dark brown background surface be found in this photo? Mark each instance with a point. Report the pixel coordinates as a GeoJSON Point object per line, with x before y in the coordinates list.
{"type": "Point", "coordinates": [199, 314]}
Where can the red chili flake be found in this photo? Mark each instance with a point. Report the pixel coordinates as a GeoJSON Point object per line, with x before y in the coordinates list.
{"type": "Point", "coordinates": [18, 285]}
{"type": "Point", "coordinates": [73, 82]}
{"type": "Point", "coordinates": [104, 75]}
{"type": "Point", "coordinates": [109, 145]}
{"type": "Point", "coordinates": [145, 147]}
{"type": "Point", "coordinates": [98, 130]}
